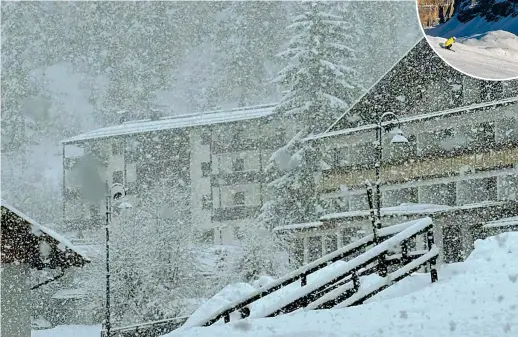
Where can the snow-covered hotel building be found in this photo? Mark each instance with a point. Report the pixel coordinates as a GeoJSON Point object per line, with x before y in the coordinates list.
{"type": "Point", "coordinates": [460, 165]}
{"type": "Point", "coordinates": [218, 155]}
{"type": "Point", "coordinates": [462, 150]}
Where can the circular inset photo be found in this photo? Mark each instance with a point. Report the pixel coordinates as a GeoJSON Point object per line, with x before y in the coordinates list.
{"type": "Point", "coordinates": [476, 37]}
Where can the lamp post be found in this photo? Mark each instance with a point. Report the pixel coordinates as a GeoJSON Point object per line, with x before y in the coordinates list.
{"type": "Point", "coordinates": [388, 122]}
{"type": "Point", "coordinates": [118, 196]}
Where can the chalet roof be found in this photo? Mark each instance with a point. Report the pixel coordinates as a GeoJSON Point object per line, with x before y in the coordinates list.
{"type": "Point", "coordinates": [177, 122]}
{"type": "Point", "coordinates": [23, 238]}
{"type": "Point", "coordinates": [427, 116]}
{"type": "Point", "coordinates": [401, 88]}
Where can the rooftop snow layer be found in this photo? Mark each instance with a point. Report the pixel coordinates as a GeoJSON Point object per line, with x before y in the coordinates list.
{"type": "Point", "coordinates": [178, 122]}
{"type": "Point", "coordinates": [403, 120]}
{"type": "Point", "coordinates": [504, 222]}
{"type": "Point", "coordinates": [37, 228]}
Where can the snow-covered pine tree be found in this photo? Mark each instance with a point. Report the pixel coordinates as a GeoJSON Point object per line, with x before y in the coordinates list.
{"type": "Point", "coordinates": [320, 85]}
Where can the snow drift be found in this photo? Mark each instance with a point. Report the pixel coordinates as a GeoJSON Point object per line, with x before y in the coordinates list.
{"type": "Point", "coordinates": [476, 298]}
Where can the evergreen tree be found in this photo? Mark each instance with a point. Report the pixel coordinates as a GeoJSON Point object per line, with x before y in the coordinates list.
{"type": "Point", "coordinates": [320, 86]}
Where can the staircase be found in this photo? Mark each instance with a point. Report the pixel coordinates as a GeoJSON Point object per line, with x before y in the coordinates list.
{"type": "Point", "coordinates": [342, 288]}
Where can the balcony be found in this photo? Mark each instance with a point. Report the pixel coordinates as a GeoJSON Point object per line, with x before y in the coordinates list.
{"type": "Point", "coordinates": [424, 168]}
{"type": "Point", "coordinates": [237, 178]}
{"type": "Point", "coordinates": [235, 213]}
{"type": "Point", "coordinates": [247, 144]}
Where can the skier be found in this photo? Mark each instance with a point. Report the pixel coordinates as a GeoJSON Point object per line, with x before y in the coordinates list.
{"type": "Point", "coordinates": [449, 43]}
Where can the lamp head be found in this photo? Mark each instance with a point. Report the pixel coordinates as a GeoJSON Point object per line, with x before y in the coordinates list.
{"type": "Point", "coordinates": [398, 139]}
{"type": "Point", "coordinates": [124, 205]}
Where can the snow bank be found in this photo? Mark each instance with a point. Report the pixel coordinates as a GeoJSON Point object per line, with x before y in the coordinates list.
{"type": "Point", "coordinates": [228, 295]}
{"type": "Point", "coordinates": [476, 298]}
{"type": "Point", "coordinates": [69, 331]}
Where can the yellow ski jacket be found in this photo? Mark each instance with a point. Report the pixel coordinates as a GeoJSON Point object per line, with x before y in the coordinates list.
{"type": "Point", "coordinates": [449, 42]}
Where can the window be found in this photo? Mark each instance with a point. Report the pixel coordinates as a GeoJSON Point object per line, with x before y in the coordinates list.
{"type": "Point", "coordinates": [116, 148]}
{"type": "Point", "coordinates": [206, 138]}
{"type": "Point", "coordinates": [206, 202]}
{"type": "Point", "coordinates": [444, 134]}
{"type": "Point", "coordinates": [238, 165]}
{"type": "Point", "coordinates": [483, 134]}
{"type": "Point", "coordinates": [365, 154]}
{"type": "Point", "coordinates": [95, 212]}
{"type": "Point", "coordinates": [491, 91]}
{"type": "Point", "coordinates": [314, 248]}
{"type": "Point", "coordinates": [117, 177]}
{"type": "Point", "coordinates": [205, 169]}
{"type": "Point", "coordinates": [239, 198]}
{"type": "Point", "coordinates": [439, 194]}
{"type": "Point", "coordinates": [340, 156]}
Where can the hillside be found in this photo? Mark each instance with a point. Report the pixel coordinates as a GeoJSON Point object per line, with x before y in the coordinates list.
{"type": "Point", "coordinates": [432, 12]}
{"type": "Point", "coordinates": [479, 18]}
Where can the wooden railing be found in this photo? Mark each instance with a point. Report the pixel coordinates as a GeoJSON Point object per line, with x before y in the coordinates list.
{"type": "Point", "coordinates": [301, 274]}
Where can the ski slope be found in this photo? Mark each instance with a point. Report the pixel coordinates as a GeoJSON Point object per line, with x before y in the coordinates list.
{"type": "Point", "coordinates": [492, 55]}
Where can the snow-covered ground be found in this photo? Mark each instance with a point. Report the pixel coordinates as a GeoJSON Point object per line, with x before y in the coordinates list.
{"type": "Point", "coordinates": [476, 298]}
{"type": "Point", "coordinates": [70, 331]}
{"type": "Point", "coordinates": [492, 55]}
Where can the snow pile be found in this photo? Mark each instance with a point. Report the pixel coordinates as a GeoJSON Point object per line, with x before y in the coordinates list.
{"type": "Point", "coordinates": [239, 291]}
{"type": "Point", "coordinates": [69, 331]}
{"type": "Point", "coordinates": [476, 298]}
{"type": "Point", "coordinates": [228, 295]}
{"type": "Point", "coordinates": [492, 55]}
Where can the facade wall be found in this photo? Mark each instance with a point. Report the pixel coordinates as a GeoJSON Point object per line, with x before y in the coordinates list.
{"type": "Point", "coordinates": [201, 172]}
{"type": "Point", "coordinates": [15, 303]}
{"type": "Point", "coordinates": [224, 170]}
{"type": "Point", "coordinates": [440, 147]}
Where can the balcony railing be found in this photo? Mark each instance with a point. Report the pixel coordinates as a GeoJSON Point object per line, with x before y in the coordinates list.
{"type": "Point", "coordinates": [235, 213]}
{"type": "Point", "coordinates": [248, 144]}
{"type": "Point", "coordinates": [424, 168]}
{"type": "Point", "coordinates": [236, 178]}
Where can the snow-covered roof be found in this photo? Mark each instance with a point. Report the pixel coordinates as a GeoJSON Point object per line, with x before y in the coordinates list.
{"type": "Point", "coordinates": [372, 87]}
{"type": "Point", "coordinates": [403, 209]}
{"type": "Point", "coordinates": [297, 226]}
{"type": "Point", "coordinates": [410, 119]}
{"type": "Point", "coordinates": [65, 294]}
{"type": "Point", "coordinates": [504, 222]}
{"type": "Point", "coordinates": [38, 229]}
{"type": "Point", "coordinates": [178, 122]}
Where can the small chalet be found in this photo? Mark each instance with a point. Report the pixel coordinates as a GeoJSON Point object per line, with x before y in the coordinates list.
{"type": "Point", "coordinates": [26, 244]}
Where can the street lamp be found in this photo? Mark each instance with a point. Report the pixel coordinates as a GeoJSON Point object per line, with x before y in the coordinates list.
{"type": "Point", "coordinates": [388, 122]}
{"type": "Point", "coordinates": [116, 194]}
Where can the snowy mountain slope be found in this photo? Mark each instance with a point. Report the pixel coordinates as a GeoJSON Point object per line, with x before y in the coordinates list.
{"type": "Point", "coordinates": [476, 298]}
{"type": "Point", "coordinates": [492, 55]}
{"type": "Point", "coordinates": [478, 25]}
